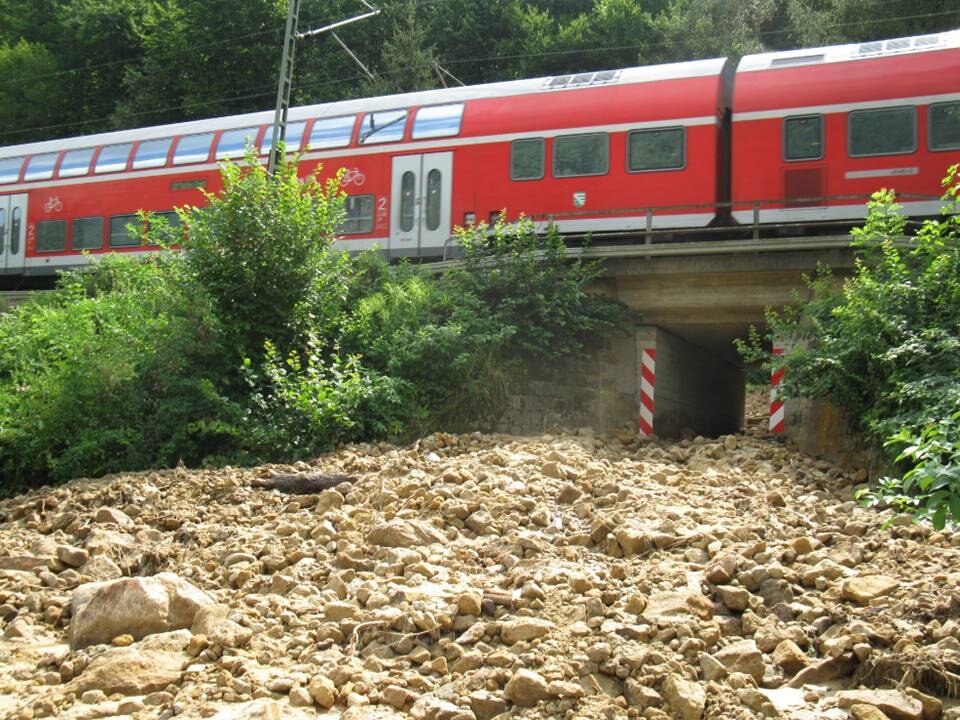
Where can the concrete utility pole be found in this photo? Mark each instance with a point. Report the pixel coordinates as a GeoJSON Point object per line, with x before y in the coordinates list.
{"type": "Point", "coordinates": [286, 73]}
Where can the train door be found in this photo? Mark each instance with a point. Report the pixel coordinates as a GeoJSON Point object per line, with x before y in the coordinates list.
{"type": "Point", "coordinates": [420, 207]}
{"type": "Point", "coordinates": [13, 233]}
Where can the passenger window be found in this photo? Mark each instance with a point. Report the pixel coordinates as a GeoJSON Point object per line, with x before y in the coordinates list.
{"type": "Point", "coordinates": [152, 153]}
{"type": "Point", "coordinates": [3, 230]}
{"type": "Point", "coordinates": [579, 155]}
{"type": "Point", "coordinates": [656, 150]}
{"type": "Point", "coordinates": [331, 132]}
{"type": "Point", "coordinates": [293, 138]}
{"type": "Point", "coordinates": [233, 143]}
{"type": "Point", "coordinates": [406, 201]}
{"type": "Point", "coordinates": [527, 159]}
{"type": "Point", "coordinates": [120, 235]}
{"type": "Point", "coordinates": [40, 167]}
{"type": "Point", "coordinates": [51, 235]}
{"type": "Point", "coordinates": [803, 137]}
{"type": "Point", "coordinates": [359, 215]}
{"type": "Point", "coordinates": [192, 149]}
{"type": "Point", "coordinates": [76, 162]}
{"type": "Point", "coordinates": [381, 127]}
{"type": "Point", "coordinates": [437, 121]}
{"type": "Point", "coordinates": [945, 126]}
{"type": "Point", "coordinates": [87, 233]}
{"type": "Point", "coordinates": [113, 158]}
{"type": "Point", "coordinates": [888, 131]}
{"type": "Point", "coordinates": [15, 221]}
{"type": "Point", "coordinates": [10, 169]}
{"type": "Point", "coordinates": [434, 193]}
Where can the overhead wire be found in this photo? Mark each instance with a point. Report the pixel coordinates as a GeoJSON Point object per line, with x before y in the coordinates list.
{"type": "Point", "coordinates": [458, 61]}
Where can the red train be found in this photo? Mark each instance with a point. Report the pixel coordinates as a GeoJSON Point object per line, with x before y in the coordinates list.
{"type": "Point", "coordinates": [790, 137]}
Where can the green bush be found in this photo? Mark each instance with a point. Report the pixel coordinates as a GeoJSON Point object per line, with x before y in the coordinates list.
{"type": "Point", "coordinates": [885, 348]}
{"type": "Point", "coordinates": [258, 341]}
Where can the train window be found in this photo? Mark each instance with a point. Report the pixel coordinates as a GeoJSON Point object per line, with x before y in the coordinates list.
{"type": "Point", "coordinates": [152, 153]}
{"type": "Point", "coordinates": [192, 149]}
{"type": "Point", "coordinates": [803, 137]}
{"type": "Point", "coordinates": [434, 192]}
{"type": "Point", "coordinates": [661, 149]}
{"type": "Point", "coordinates": [406, 201]}
{"type": "Point", "coordinates": [331, 132]}
{"type": "Point", "coordinates": [120, 234]}
{"type": "Point", "coordinates": [527, 159]}
{"type": "Point", "coordinates": [359, 215]}
{"type": "Point", "coordinates": [87, 233]}
{"type": "Point", "coordinates": [76, 162]}
{"type": "Point", "coordinates": [945, 126]}
{"type": "Point", "coordinates": [380, 127]}
{"type": "Point", "coordinates": [3, 229]}
{"type": "Point", "coordinates": [233, 143]}
{"type": "Point", "coordinates": [113, 158]}
{"type": "Point", "coordinates": [51, 235]}
{"type": "Point", "coordinates": [10, 169]}
{"type": "Point", "coordinates": [40, 167]}
{"type": "Point", "coordinates": [294, 136]}
{"type": "Point", "coordinates": [579, 155]}
{"type": "Point", "coordinates": [15, 222]}
{"type": "Point", "coordinates": [437, 121]}
{"type": "Point", "coordinates": [887, 131]}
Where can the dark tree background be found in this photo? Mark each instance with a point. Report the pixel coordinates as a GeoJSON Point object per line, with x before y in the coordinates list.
{"type": "Point", "coordinates": [72, 67]}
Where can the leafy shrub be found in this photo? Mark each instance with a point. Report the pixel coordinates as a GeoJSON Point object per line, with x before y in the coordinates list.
{"type": "Point", "coordinates": [258, 341]}
{"type": "Point", "coordinates": [885, 348]}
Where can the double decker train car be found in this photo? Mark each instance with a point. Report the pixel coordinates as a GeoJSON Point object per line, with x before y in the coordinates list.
{"type": "Point", "coordinates": [634, 150]}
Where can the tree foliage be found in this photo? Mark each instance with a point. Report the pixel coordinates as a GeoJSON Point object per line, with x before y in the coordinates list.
{"type": "Point", "coordinates": [82, 66]}
{"type": "Point", "coordinates": [885, 347]}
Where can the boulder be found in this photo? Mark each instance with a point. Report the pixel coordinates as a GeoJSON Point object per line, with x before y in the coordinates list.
{"type": "Point", "coordinates": [526, 688]}
{"type": "Point", "coordinates": [743, 656]}
{"type": "Point", "coordinates": [525, 628]}
{"type": "Point", "coordinates": [892, 703]}
{"type": "Point", "coordinates": [137, 606]}
{"type": "Point", "coordinates": [404, 533]}
{"type": "Point", "coordinates": [866, 588]}
{"type": "Point", "coordinates": [131, 671]}
{"type": "Point", "coordinates": [687, 699]}
{"type": "Point", "coordinates": [254, 710]}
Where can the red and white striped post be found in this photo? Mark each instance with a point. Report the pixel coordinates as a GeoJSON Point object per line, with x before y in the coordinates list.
{"type": "Point", "coordinates": [777, 412]}
{"type": "Point", "coordinates": [648, 377]}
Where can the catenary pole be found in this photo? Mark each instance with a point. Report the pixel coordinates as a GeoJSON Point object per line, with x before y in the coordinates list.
{"type": "Point", "coordinates": [286, 73]}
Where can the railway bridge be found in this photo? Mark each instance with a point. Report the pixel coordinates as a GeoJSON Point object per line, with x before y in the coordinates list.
{"type": "Point", "coordinates": [675, 370]}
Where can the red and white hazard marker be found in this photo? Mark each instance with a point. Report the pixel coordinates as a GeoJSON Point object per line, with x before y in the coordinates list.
{"type": "Point", "coordinates": [648, 375]}
{"type": "Point", "coordinates": [776, 402]}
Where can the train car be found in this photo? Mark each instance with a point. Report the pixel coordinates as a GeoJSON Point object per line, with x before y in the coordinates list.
{"type": "Point", "coordinates": [591, 151]}
{"type": "Point", "coordinates": [815, 132]}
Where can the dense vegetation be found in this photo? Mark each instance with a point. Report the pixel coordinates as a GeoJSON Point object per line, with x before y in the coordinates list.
{"type": "Point", "coordinates": [258, 341]}
{"type": "Point", "coordinates": [885, 348]}
{"type": "Point", "coordinates": [73, 67]}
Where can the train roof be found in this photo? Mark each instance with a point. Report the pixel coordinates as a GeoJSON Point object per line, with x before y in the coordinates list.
{"type": "Point", "coordinates": [849, 52]}
{"type": "Point", "coordinates": [552, 84]}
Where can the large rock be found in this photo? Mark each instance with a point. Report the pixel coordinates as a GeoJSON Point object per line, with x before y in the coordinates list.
{"type": "Point", "coordinates": [526, 688]}
{"type": "Point", "coordinates": [525, 628]}
{"type": "Point", "coordinates": [678, 605]}
{"type": "Point", "coordinates": [687, 699]}
{"type": "Point", "coordinates": [892, 703]}
{"type": "Point", "coordinates": [867, 588]}
{"type": "Point", "coordinates": [404, 533]}
{"type": "Point", "coordinates": [743, 656]}
{"type": "Point", "coordinates": [134, 606]}
{"type": "Point", "coordinates": [131, 671]}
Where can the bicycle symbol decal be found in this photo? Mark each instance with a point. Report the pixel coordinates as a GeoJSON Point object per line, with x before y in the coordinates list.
{"type": "Point", "coordinates": [353, 176]}
{"type": "Point", "coordinates": [53, 205]}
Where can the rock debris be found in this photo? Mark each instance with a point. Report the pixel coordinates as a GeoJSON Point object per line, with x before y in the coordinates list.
{"type": "Point", "coordinates": [467, 577]}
